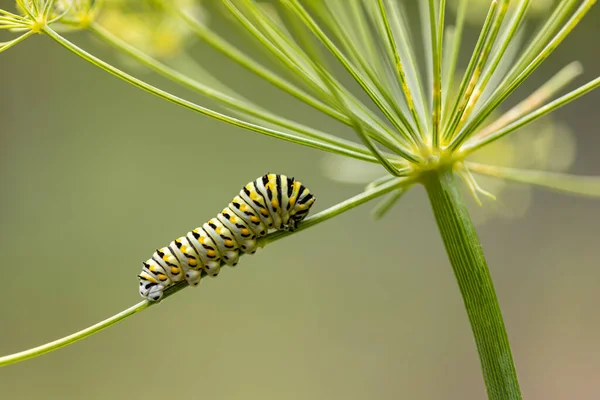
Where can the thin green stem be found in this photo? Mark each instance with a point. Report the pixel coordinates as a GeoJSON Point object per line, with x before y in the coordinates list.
{"type": "Point", "coordinates": [475, 284]}
{"type": "Point", "coordinates": [385, 205]}
{"type": "Point", "coordinates": [7, 45]}
{"type": "Point", "coordinates": [289, 57]}
{"type": "Point", "coordinates": [399, 68]}
{"type": "Point", "coordinates": [452, 58]}
{"type": "Point", "coordinates": [242, 59]}
{"type": "Point", "coordinates": [300, 66]}
{"type": "Point", "coordinates": [236, 104]}
{"type": "Point", "coordinates": [504, 91]}
{"type": "Point", "coordinates": [503, 43]}
{"type": "Point", "coordinates": [561, 79]}
{"type": "Point", "coordinates": [537, 43]}
{"type": "Point", "coordinates": [397, 120]}
{"type": "Point", "coordinates": [540, 112]}
{"type": "Point", "coordinates": [472, 95]}
{"type": "Point", "coordinates": [472, 73]}
{"type": "Point", "coordinates": [379, 181]}
{"type": "Point", "coordinates": [565, 183]}
{"type": "Point", "coordinates": [360, 112]}
{"type": "Point", "coordinates": [335, 18]}
{"type": "Point", "coordinates": [377, 130]}
{"type": "Point", "coordinates": [349, 24]}
{"type": "Point", "coordinates": [315, 54]}
{"type": "Point", "coordinates": [437, 30]}
{"type": "Point", "coordinates": [394, 184]}
{"type": "Point", "coordinates": [370, 193]}
{"type": "Point", "coordinates": [397, 18]}
{"type": "Point", "coordinates": [67, 340]}
{"type": "Point", "coordinates": [203, 110]}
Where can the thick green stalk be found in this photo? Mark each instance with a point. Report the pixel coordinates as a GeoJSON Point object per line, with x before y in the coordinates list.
{"type": "Point", "coordinates": [475, 283]}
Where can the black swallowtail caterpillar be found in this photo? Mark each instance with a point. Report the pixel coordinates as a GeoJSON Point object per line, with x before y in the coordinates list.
{"type": "Point", "coordinates": [270, 202]}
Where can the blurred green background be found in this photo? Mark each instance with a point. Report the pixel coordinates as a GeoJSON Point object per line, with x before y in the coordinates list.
{"type": "Point", "coordinates": [96, 174]}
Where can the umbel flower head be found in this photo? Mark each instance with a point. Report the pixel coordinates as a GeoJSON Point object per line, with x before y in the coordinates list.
{"type": "Point", "coordinates": [147, 26]}
{"type": "Point", "coordinates": [428, 116]}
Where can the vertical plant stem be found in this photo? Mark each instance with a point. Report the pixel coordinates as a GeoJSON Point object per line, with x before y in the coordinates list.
{"type": "Point", "coordinates": [475, 283]}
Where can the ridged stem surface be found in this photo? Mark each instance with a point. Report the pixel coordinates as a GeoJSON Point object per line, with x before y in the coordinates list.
{"type": "Point", "coordinates": [475, 284]}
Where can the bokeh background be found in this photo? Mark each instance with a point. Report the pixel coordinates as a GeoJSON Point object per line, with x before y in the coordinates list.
{"type": "Point", "coordinates": [95, 174]}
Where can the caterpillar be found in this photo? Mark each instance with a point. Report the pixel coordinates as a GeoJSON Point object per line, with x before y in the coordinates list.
{"type": "Point", "coordinates": [271, 202]}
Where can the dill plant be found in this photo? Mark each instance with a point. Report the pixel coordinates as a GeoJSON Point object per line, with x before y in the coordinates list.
{"type": "Point", "coordinates": [428, 128]}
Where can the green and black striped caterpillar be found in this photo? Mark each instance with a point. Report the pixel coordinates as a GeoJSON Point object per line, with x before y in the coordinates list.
{"type": "Point", "coordinates": [270, 202]}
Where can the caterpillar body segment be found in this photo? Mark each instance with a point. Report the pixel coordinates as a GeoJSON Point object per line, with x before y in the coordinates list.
{"type": "Point", "coordinates": [271, 202]}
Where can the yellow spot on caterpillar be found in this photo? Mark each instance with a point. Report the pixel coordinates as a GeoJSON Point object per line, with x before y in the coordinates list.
{"type": "Point", "coordinates": [162, 277]}
{"type": "Point", "coordinates": [210, 253]}
{"type": "Point", "coordinates": [174, 270]}
{"type": "Point", "coordinates": [243, 207]}
{"type": "Point", "coordinates": [192, 262]}
{"type": "Point", "coordinates": [202, 239]}
{"type": "Point", "coordinates": [275, 203]}
{"type": "Point", "coordinates": [183, 249]}
{"type": "Point", "coordinates": [228, 243]}
{"type": "Point", "coordinates": [292, 201]}
{"type": "Point", "coordinates": [218, 230]}
{"type": "Point", "coordinates": [254, 218]}
{"type": "Point", "coordinates": [152, 268]}
{"type": "Point", "coordinates": [253, 196]}
{"type": "Point", "coordinates": [166, 258]}
{"type": "Point", "coordinates": [244, 231]}
{"type": "Point", "coordinates": [264, 212]}
{"type": "Point", "coordinates": [150, 279]}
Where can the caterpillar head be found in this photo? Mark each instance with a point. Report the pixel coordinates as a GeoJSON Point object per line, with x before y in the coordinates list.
{"type": "Point", "coordinates": [155, 293]}
{"type": "Point", "coordinates": [299, 212]}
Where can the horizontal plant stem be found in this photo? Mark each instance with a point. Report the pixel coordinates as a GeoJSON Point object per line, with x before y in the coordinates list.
{"type": "Point", "coordinates": [565, 183]}
{"type": "Point", "coordinates": [475, 284]}
{"type": "Point", "coordinates": [323, 216]}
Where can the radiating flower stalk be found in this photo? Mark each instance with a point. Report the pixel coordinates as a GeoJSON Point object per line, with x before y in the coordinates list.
{"type": "Point", "coordinates": [429, 128]}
